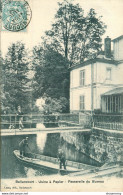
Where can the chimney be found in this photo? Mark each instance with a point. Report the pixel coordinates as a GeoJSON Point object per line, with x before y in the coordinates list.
{"type": "Point", "coordinates": [107, 47]}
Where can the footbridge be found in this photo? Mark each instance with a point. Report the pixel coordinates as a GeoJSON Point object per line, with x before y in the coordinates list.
{"type": "Point", "coordinates": [53, 123]}
{"type": "Point", "coordinates": [6, 132]}
{"type": "Point", "coordinates": [33, 124]}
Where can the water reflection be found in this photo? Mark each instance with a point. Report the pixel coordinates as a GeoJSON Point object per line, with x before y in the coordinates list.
{"type": "Point", "coordinates": [52, 144]}
{"type": "Point", "coordinates": [41, 140]}
{"type": "Point", "coordinates": [42, 143]}
{"type": "Point", "coordinates": [30, 172]}
{"type": "Point", "coordinates": [11, 168]}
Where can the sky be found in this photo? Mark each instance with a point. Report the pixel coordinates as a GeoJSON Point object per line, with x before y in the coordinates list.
{"type": "Point", "coordinates": [43, 12]}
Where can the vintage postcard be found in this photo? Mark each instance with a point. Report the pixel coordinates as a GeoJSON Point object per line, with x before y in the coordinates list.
{"type": "Point", "coordinates": [61, 84]}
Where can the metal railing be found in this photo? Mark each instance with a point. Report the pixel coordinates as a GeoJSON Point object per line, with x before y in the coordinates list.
{"type": "Point", "coordinates": [108, 121]}
{"type": "Point", "coordinates": [30, 121]}
{"type": "Point", "coordinates": [105, 121]}
{"type": "Point", "coordinates": [85, 120]}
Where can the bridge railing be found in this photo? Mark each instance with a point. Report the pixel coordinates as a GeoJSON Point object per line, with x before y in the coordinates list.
{"type": "Point", "coordinates": [30, 121]}
{"type": "Point", "coordinates": [108, 121]}
{"type": "Point", "coordinates": [85, 120]}
{"type": "Point", "coordinates": [69, 119]}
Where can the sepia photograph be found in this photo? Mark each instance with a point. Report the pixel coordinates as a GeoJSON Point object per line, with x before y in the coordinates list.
{"type": "Point", "coordinates": [61, 95]}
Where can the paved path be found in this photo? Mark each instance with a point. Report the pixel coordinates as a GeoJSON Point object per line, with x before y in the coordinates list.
{"type": "Point", "coordinates": [6, 132]}
{"type": "Point", "coordinates": [108, 130]}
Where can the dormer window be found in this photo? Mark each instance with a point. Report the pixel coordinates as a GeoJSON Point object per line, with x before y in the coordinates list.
{"type": "Point", "coordinates": [108, 73]}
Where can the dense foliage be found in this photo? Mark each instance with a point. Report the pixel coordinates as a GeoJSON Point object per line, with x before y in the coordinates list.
{"type": "Point", "coordinates": [75, 35]}
{"type": "Point", "coordinates": [72, 38]}
{"type": "Point", "coordinates": [15, 80]}
{"type": "Point", "coordinates": [51, 77]}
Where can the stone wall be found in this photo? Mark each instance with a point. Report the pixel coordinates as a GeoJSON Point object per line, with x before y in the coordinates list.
{"type": "Point", "coordinates": [102, 146]}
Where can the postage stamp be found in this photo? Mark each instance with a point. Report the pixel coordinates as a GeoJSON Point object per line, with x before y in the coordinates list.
{"type": "Point", "coordinates": [16, 15]}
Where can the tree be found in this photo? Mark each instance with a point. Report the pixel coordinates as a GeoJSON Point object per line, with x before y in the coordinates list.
{"type": "Point", "coordinates": [16, 86]}
{"type": "Point", "coordinates": [2, 94]}
{"type": "Point", "coordinates": [72, 38]}
{"type": "Point", "coordinates": [53, 105]}
{"type": "Point", "coordinates": [74, 35]}
{"type": "Point", "coordinates": [51, 78]}
{"type": "Point", "coordinates": [51, 73]}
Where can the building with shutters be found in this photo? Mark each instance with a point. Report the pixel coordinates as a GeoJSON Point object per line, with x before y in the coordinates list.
{"type": "Point", "coordinates": [97, 84]}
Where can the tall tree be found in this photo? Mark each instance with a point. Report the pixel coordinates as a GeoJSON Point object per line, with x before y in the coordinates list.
{"type": "Point", "coordinates": [74, 35]}
{"type": "Point", "coordinates": [16, 86]}
{"type": "Point", "coordinates": [51, 77]}
{"type": "Point", "coordinates": [2, 94]}
{"type": "Point", "coordinates": [51, 73]}
{"type": "Point", "coordinates": [72, 39]}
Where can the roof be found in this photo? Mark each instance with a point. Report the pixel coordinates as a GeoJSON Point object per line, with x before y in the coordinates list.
{"type": "Point", "coordinates": [118, 38]}
{"type": "Point", "coordinates": [88, 62]}
{"type": "Point", "coordinates": [115, 91]}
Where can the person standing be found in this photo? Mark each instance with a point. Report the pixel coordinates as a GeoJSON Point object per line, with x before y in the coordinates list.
{"type": "Point", "coordinates": [22, 146]}
{"type": "Point", "coordinates": [62, 159]}
{"type": "Point", "coordinates": [20, 118]}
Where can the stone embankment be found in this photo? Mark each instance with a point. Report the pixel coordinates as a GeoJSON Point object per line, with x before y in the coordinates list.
{"type": "Point", "coordinates": [101, 146]}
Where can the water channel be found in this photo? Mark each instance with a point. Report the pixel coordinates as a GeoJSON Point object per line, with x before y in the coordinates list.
{"type": "Point", "coordinates": [41, 143]}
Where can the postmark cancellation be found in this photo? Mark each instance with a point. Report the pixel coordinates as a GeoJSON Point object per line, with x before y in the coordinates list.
{"type": "Point", "coordinates": [16, 15]}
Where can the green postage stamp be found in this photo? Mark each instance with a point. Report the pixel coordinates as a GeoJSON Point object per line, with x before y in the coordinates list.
{"type": "Point", "coordinates": [16, 15]}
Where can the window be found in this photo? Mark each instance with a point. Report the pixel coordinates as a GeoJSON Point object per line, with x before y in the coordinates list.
{"type": "Point", "coordinates": [82, 77]}
{"type": "Point", "coordinates": [82, 102]}
{"type": "Point", "coordinates": [108, 73]}
{"type": "Point", "coordinates": [113, 104]}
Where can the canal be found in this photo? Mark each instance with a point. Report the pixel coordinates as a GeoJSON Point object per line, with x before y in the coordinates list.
{"type": "Point", "coordinates": [41, 143]}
